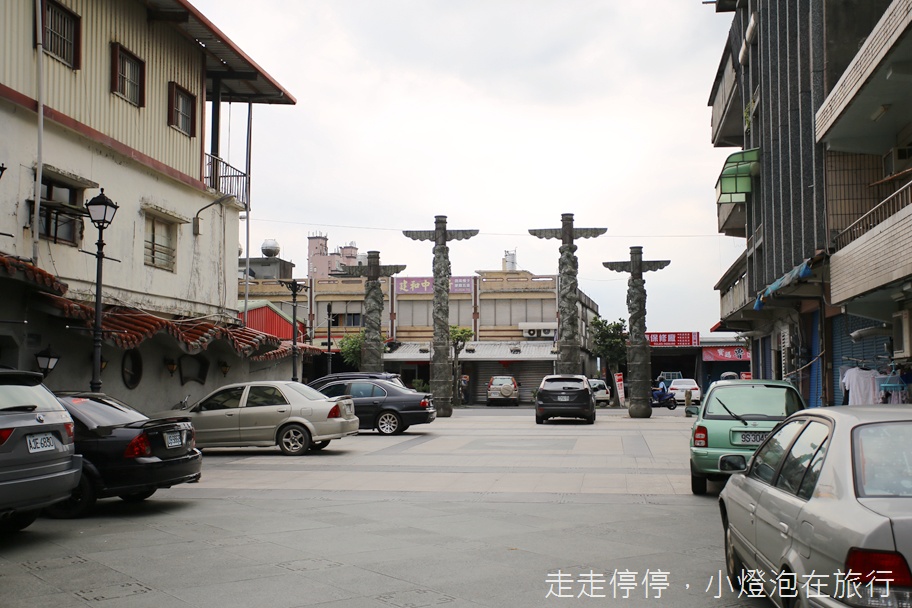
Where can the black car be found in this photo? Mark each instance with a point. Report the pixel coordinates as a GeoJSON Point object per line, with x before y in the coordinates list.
{"type": "Point", "coordinates": [38, 462]}
{"type": "Point", "coordinates": [565, 396]}
{"type": "Point", "coordinates": [388, 376]}
{"type": "Point", "coordinates": [125, 453]}
{"type": "Point", "coordinates": [384, 406]}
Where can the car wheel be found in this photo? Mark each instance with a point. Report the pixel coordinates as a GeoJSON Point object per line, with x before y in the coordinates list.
{"type": "Point", "coordinates": [539, 419]}
{"type": "Point", "coordinates": [733, 564]}
{"type": "Point", "coordinates": [697, 484]}
{"type": "Point", "coordinates": [136, 496]}
{"type": "Point", "coordinates": [389, 423]}
{"type": "Point", "coordinates": [591, 419]}
{"type": "Point", "coordinates": [319, 445]}
{"type": "Point", "coordinates": [18, 521]}
{"type": "Point", "coordinates": [516, 402]}
{"type": "Point", "coordinates": [294, 440]}
{"type": "Point", "coordinates": [78, 504]}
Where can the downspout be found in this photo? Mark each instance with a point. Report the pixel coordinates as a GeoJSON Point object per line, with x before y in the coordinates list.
{"type": "Point", "coordinates": [36, 207]}
{"type": "Point", "coordinates": [247, 205]}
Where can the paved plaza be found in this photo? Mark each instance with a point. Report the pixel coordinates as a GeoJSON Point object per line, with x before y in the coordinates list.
{"type": "Point", "coordinates": [484, 509]}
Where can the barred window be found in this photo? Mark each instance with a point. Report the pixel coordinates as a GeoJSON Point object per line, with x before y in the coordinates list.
{"type": "Point", "coordinates": [62, 33]}
{"type": "Point", "coordinates": [160, 243]}
{"type": "Point", "coordinates": [59, 216]}
{"type": "Point", "coordinates": [181, 109]}
{"type": "Point", "coordinates": [128, 75]}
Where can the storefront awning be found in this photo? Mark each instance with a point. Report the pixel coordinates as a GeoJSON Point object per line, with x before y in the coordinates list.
{"type": "Point", "coordinates": [734, 183]}
{"type": "Point", "coordinates": [521, 350]}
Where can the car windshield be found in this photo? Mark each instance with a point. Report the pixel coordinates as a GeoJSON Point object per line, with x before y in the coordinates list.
{"type": "Point", "coordinates": [753, 401]}
{"type": "Point", "coordinates": [563, 384]}
{"type": "Point", "coordinates": [102, 411]}
{"type": "Point", "coordinates": [13, 397]}
{"type": "Point", "coordinates": [883, 459]}
{"type": "Point", "coordinates": [501, 381]}
{"type": "Point", "coordinates": [309, 392]}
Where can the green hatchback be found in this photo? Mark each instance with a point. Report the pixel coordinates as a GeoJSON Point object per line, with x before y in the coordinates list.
{"type": "Point", "coordinates": [734, 418]}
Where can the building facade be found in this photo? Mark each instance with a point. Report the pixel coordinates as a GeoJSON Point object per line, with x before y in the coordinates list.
{"type": "Point", "coordinates": [124, 96]}
{"type": "Point", "coordinates": [814, 96]}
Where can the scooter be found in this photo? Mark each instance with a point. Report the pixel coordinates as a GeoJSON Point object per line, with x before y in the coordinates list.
{"type": "Point", "coordinates": [668, 400]}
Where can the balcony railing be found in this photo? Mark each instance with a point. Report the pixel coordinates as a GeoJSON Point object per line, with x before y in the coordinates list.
{"type": "Point", "coordinates": [225, 179]}
{"type": "Point", "coordinates": [887, 208]}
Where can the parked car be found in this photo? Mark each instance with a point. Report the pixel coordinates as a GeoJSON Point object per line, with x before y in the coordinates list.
{"type": "Point", "coordinates": [288, 414]}
{"type": "Point", "coordinates": [38, 461]}
{"type": "Point", "coordinates": [388, 376]}
{"type": "Point", "coordinates": [384, 406]}
{"type": "Point", "coordinates": [601, 392]}
{"type": "Point", "coordinates": [735, 418]}
{"type": "Point", "coordinates": [564, 396]}
{"type": "Point", "coordinates": [679, 386]}
{"type": "Point", "coordinates": [825, 499]}
{"type": "Point", "coordinates": [503, 389]}
{"type": "Point", "coordinates": [124, 452]}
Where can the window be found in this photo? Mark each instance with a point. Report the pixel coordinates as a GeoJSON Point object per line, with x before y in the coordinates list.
{"type": "Point", "coordinates": [128, 75]}
{"type": "Point", "coordinates": [181, 109]}
{"type": "Point", "coordinates": [798, 476]}
{"type": "Point", "coordinates": [160, 240]}
{"type": "Point", "coordinates": [770, 454]}
{"type": "Point", "coordinates": [334, 390]}
{"type": "Point", "coordinates": [60, 216]}
{"type": "Point", "coordinates": [264, 396]}
{"type": "Point", "coordinates": [229, 398]}
{"type": "Point", "coordinates": [353, 319]}
{"type": "Point", "coordinates": [62, 33]}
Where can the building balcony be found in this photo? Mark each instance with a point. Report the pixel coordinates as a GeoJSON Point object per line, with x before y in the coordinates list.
{"type": "Point", "coordinates": [727, 106]}
{"type": "Point", "coordinates": [225, 179]}
{"type": "Point", "coordinates": [733, 191]}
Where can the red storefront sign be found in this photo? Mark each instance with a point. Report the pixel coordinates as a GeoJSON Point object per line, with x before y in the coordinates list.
{"type": "Point", "coordinates": [726, 353]}
{"type": "Point", "coordinates": [673, 338]}
{"type": "Point", "coordinates": [619, 385]}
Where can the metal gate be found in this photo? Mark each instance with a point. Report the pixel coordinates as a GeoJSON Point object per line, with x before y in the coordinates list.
{"type": "Point", "coordinates": [846, 353]}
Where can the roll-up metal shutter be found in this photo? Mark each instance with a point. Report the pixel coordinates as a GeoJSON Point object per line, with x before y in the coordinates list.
{"type": "Point", "coordinates": [870, 351]}
{"type": "Point", "coordinates": [528, 373]}
{"type": "Point", "coordinates": [816, 375]}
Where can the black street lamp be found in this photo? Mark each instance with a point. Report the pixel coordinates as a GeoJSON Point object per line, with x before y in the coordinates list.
{"type": "Point", "coordinates": [101, 211]}
{"type": "Point", "coordinates": [47, 360]}
{"type": "Point", "coordinates": [295, 288]}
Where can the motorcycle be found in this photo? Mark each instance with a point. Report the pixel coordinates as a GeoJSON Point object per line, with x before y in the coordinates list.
{"type": "Point", "coordinates": [668, 400]}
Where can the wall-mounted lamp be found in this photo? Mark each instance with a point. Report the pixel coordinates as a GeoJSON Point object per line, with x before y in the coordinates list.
{"type": "Point", "coordinates": [223, 365]}
{"type": "Point", "coordinates": [47, 360]}
{"type": "Point", "coordinates": [171, 366]}
{"type": "Point", "coordinates": [2, 170]}
{"type": "Point", "coordinates": [104, 362]}
{"type": "Point", "coordinates": [879, 111]}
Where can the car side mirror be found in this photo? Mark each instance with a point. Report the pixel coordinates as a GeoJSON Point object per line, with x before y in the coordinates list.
{"type": "Point", "coordinates": [732, 463]}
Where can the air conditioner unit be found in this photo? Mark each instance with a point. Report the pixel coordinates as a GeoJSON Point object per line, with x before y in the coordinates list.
{"type": "Point", "coordinates": [533, 333]}
{"type": "Point", "coordinates": [896, 160]}
{"type": "Point", "coordinates": [902, 340]}
{"type": "Point", "coordinates": [547, 332]}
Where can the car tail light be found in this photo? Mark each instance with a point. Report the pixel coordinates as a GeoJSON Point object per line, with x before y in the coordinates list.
{"type": "Point", "coordinates": [69, 426]}
{"type": "Point", "coordinates": [700, 437]}
{"type": "Point", "coordinates": [881, 566]}
{"type": "Point", "coordinates": [425, 403]}
{"type": "Point", "coordinates": [139, 446]}
{"type": "Point", "coordinates": [335, 412]}
{"type": "Point", "coordinates": [4, 435]}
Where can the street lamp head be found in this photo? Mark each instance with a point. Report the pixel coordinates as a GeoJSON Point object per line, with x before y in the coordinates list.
{"type": "Point", "coordinates": [47, 360]}
{"type": "Point", "coordinates": [101, 210]}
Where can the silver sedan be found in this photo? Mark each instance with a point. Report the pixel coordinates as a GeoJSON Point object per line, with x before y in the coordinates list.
{"type": "Point", "coordinates": [822, 513]}
{"type": "Point", "coordinates": [288, 414]}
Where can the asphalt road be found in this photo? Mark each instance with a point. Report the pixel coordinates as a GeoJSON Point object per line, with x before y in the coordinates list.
{"type": "Point", "coordinates": [484, 509]}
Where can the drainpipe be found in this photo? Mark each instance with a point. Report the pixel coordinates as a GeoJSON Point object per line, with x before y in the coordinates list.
{"type": "Point", "coordinates": [247, 205]}
{"type": "Point", "coordinates": [36, 208]}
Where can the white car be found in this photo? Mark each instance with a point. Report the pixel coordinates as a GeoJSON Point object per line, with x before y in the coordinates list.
{"type": "Point", "coordinates": [601, 392]}
{"type": "Point", "coordinates": [685, 384]}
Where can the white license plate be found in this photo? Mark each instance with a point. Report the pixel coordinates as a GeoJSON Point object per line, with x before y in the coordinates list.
{"type": "Point", "coordinates": [563, 397]}
{"type": "Point", "coordinates": [753, 438]}
{"type": "Point", "coordinates": [41, 442]}
{"type": "Point", "coordinates": [173, 439]}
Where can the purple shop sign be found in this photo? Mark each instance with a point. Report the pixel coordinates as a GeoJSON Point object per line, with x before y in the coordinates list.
{"type": "Point", "coordinates": [425, 285]}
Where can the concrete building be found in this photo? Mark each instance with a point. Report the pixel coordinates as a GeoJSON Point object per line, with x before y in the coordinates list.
{"type": "Point", "coordinates": [125, 96]}
{"type": "Point", "coordinates": [813, 94]}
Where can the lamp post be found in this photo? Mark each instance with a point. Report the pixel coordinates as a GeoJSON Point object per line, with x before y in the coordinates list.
{"type": "Point", "coordinates": [295, 288]}
{"type": "Point", "coordinates": [329, 338]}
{"type": "Point", "coordinates": [101, 211]}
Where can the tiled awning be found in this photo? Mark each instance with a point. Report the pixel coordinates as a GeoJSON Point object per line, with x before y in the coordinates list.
{"type": "Point", "coordinates": [128, 328]}
{"type": "Point", "coordinates": [285, 351]}
{"type": "Point", "coordinates": [28, 272]}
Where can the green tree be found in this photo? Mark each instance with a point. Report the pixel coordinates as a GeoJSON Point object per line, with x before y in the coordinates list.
{"type": "Point", "coordinates": [610, 344]}
{"type": "Point", "coordinates": [350, 347]}
{"type": "Point", "coordinates": [458, 338]}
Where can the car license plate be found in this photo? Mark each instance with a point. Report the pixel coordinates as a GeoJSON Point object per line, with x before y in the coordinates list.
{"type": "Point", "coordinates": [563, 397]}
{"type": "Point", "coordinates": [753, 438]}
{"type": "Point", "coordinates": [173, 439]}
{"type": "Point", "coordinates": [40, 443]}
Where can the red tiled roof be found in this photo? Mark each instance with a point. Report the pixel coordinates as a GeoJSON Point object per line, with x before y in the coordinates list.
{"type": "Point", "coordinates": [128, 328]}
{"type": "Point", "coordinates": [27, 271]}
{"type": "Point", "coordinates": [285, 351]}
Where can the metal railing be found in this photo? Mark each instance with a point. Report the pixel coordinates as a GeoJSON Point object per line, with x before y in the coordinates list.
{"type": "Point", "coordinates": [887, 208]}
{"type": "Point", "coordinates": [225, 179]}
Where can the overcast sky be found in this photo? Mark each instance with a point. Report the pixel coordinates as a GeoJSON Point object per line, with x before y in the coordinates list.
{"type": "Point", "coordinates": [501, 115]}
